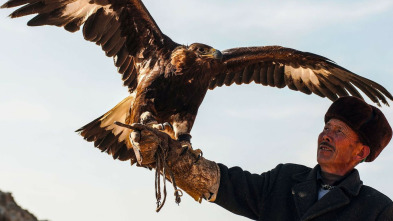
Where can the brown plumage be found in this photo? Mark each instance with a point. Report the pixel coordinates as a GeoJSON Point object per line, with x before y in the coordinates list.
{"type": "Point", "coordinates": [168, 81]}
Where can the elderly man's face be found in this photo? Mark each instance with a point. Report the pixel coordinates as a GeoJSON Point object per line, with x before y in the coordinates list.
{"type": "Point", "coordinates": [338, 148]}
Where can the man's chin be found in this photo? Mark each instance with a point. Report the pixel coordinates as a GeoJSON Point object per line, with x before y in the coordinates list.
{"type": "Point", "coordinates": [323, 157]}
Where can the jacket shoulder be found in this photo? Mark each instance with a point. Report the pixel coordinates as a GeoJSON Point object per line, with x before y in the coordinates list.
{"type": "Point", "coordinates": [294, 168]}
{"type": "Point", "coordinates": [374, 194]}
{"type": "Point", "coordinates": [377, 201]}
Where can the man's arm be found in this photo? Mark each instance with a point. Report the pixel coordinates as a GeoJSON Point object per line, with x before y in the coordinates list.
{"type": "Point", "coordinates": [244, 193]}
{"type": "Point", "coordinates": [195, 175]}
{"type": "Point", "coordinates": [236, 190]}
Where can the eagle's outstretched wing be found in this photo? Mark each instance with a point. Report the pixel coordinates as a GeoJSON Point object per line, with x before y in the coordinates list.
{"type": "Point", "coordinates": [123, 28]}
{"type": "Point", "coordinates": [125, 31]}
{"type": "Point", "coordinates": [301, 71]}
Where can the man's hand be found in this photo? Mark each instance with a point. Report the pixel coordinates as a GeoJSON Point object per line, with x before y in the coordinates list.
{"type": "Point", "coordinates": [146, 141]}
{"type": "Point", "coordinates": [194, 174]}
{"type": "Point", "coordinates": [151, 148]}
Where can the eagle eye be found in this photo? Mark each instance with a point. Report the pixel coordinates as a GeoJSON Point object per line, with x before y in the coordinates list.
{"type": "Point", "coordinates": [201, 50]}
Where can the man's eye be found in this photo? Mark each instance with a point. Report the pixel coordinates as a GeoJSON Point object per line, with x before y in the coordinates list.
{"type": "Point", "coordinates": [340, 131]}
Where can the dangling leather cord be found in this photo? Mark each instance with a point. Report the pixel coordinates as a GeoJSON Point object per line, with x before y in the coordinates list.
{"type": "Point", "coordinates": [160, 157]}
{"type": "Point", "coordinates": [161, 165]}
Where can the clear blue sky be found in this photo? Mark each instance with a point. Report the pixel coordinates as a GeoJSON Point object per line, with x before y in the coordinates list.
{"type": "Point", "coordinates": [53, 82]}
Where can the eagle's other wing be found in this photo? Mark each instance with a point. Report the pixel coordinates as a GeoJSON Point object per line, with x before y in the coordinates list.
{"type": "Point", "coordinates": [123, 28]}
{"type": "Point", "coordinates": [301, 71]}
{"type": "Point", "coordinates": [125, 31]}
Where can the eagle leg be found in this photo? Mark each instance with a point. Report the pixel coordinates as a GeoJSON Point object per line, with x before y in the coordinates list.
{"type": "Point", "coordinates": [185, 141]}
{"type": "Point", "coordinates": [147, 118]}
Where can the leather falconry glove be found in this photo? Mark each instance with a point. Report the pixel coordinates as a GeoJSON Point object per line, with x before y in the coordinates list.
{"type": "Point", "coordinates": [197, 176]}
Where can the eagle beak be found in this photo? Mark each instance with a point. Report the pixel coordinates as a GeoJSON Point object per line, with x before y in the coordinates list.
{"type": "Point", "coordinates": [217, 54]}
{"type": "Point", "coordinates": [214, 53]}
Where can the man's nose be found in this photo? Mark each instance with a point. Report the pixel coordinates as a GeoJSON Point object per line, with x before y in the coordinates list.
{"type": "Point", "coordinates": [326, 137]}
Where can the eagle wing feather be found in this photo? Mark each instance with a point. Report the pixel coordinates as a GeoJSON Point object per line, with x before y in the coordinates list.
{"type": "Point", "coordinates": [309, 73]}
{"type": "Point", "coordinates": [124, 29]}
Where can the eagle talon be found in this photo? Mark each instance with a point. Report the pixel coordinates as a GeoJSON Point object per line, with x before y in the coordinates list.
{"type": "Point", "coordinates": [185, 148]}
{"type": "Point", "coordinates": [162, 126]}
{"type": "Point", "coordinates": [201, 153]}
{"type": "Point", "coordinates": [197, 153]}
{"type": "Point", "coordinates": [167, 124]}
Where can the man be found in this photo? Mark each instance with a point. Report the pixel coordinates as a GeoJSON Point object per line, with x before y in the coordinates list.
{"type": "Point", "coordinates": [354, 132]}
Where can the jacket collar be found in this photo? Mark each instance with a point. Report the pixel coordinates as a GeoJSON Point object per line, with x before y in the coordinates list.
{"type": "Point", "coordinates": [305, 193]}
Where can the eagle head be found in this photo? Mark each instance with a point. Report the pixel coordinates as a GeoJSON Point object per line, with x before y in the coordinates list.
{"type": "Point", "coordinates": [195, 57]}
{"type": "Point", "coordinates": [205, 51]}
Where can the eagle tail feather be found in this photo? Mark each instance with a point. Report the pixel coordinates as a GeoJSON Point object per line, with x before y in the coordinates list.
{"type": "Point", "coordinates": [109, 137]}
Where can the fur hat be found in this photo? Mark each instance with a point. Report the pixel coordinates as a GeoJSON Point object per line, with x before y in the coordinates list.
{"type": "Point", "coordinates": [366, 120]}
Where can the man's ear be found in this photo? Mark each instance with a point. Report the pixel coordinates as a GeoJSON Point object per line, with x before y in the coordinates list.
{"type": "Point", "coordinates": [363, 153]}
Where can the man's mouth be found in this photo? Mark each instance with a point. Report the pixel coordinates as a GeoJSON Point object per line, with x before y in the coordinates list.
{"type": "Point", "coordinates": [326, 146]}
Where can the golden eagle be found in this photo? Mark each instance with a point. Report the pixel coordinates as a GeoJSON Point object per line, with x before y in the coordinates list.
{"type": "Point", "coordinates": [168, 81]}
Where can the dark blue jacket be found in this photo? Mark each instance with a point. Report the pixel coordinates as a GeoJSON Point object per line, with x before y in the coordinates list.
{"type": "Point", "coordinates": [290, 192]}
